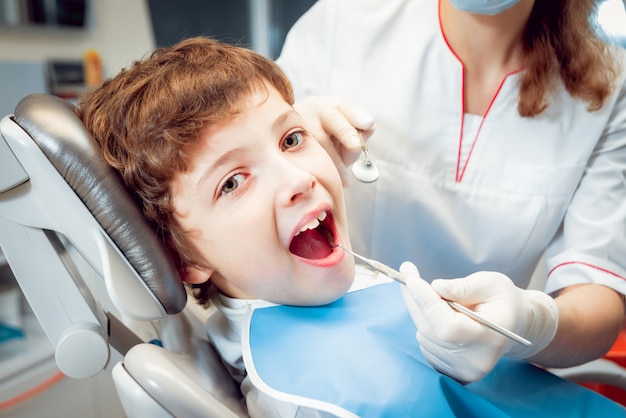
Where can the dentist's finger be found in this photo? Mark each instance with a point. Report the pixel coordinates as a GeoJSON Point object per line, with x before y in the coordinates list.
{"type": "Point", "coordinates": [425, 305]}
{"type": "Point", "coordinates": [347, 125]}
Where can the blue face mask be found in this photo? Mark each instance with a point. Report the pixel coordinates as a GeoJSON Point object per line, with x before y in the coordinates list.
{"type": "Point", "coordinates": [483, 7]}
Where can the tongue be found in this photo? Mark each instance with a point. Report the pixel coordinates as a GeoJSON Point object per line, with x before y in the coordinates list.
{"type": "Point", "coordinates": [310, 244]}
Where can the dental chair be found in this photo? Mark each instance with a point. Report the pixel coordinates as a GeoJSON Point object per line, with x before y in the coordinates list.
{"type": "Point", "coordinates": [60, 206]}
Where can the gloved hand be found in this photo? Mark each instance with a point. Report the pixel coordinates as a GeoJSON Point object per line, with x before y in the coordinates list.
{"type": "Point", "coordinates": [337, 125]}
{"type": "Point", "coordinates": [460, 347]}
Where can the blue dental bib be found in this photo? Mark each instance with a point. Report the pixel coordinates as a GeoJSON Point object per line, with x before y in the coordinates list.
{"type": "Point", "coordinates": [359, 357]}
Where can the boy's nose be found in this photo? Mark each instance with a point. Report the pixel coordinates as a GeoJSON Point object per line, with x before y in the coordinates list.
{"type": "Point", "coordinates": [295, 184]}
{"type": "Point", "coordinates": [304, 188]}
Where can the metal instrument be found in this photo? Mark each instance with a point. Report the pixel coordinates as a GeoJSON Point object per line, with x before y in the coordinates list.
{"type": "Point", "coordinates": [401, 278]}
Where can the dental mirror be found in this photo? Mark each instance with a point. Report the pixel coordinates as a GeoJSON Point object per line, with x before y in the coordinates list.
{"type": "Point", "coordinates": [364, 169]}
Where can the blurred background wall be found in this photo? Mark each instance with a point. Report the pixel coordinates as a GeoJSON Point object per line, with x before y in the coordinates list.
{"type": "Point", "coordinates": [122, 31]}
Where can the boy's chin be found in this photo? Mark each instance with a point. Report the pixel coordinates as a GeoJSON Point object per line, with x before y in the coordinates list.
{"type": "Point", "coordinates": [332, 293]}
{"type": "Point", "coordinates": [318, 297]}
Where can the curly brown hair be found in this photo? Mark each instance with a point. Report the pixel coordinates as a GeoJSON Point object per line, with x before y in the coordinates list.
{"type": "Point", "coordinates": [561, 41]}
{"type": "Point", "coordinates": [146, 117]}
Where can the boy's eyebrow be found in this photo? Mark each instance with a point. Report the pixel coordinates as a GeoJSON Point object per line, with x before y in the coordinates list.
{"type": "Point", "coordinates": [283, 117]}
{"type": "Point", "coordinates": [222, 160]}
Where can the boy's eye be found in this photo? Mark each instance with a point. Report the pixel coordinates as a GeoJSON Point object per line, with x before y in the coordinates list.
{"type": "Point", "coordinates": [293, 140]}
{"type": "Point", "coordinates": [231, 184]}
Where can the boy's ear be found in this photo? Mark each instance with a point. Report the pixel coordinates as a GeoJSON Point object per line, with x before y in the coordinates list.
{"type": "Point", "coordinates": [193, 275]}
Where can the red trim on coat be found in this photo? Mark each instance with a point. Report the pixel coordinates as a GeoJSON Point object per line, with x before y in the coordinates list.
{"type": "Point", "coordinates": [460, 172]}
{"type": "Point", "coordinates": [459, 176]}
{"type": "Point", "coordinates": [588, 265]}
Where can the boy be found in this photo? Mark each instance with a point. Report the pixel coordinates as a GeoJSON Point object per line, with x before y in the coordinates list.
{"type": "Point", "coordinates": [252, 206]}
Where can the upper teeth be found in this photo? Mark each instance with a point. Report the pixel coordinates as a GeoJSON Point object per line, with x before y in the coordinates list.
{"type": "Point", "coordinates": [314, 223]}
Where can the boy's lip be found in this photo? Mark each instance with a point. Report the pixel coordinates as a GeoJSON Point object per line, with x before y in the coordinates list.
{"type": "Point", "coordinates": [335, 255]}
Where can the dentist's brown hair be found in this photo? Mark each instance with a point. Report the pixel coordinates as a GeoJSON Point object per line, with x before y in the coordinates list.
{"type": "Point", "coordinates": [562, 43]}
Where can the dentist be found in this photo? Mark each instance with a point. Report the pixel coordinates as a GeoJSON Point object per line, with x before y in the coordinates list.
{"type": "Point", "coordinates": [500, 137]}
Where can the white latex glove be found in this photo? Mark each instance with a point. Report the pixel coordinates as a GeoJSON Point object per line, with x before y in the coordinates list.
{"type": "Point", "coordinates": [338, 126]}
{"type": "Point", "coordinates": [460, 347]}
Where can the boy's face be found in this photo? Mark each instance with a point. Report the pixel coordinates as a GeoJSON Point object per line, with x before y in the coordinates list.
{"type": "Point", "coordinates": [254, 182]}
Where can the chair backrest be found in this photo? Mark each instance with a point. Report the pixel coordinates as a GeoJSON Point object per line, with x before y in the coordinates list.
{"type": "Point", "coordinates": [61, 136]}
{"type": "Point", "coordinates": [57, 194]}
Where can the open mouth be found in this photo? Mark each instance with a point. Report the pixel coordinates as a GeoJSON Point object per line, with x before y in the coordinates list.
{"type": "Point", "coordinates": [316, 239]}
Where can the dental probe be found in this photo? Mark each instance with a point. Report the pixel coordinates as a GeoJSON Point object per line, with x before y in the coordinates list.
{"type": "Point", "coordinates": [401, 278]}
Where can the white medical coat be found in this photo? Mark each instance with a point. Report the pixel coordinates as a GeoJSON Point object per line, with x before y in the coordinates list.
{"type": "Point", "coordinates": [554, 182]}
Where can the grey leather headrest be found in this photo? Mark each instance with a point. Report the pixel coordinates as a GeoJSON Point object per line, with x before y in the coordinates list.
{"type": "Point", "coordinates": [51, 123]}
